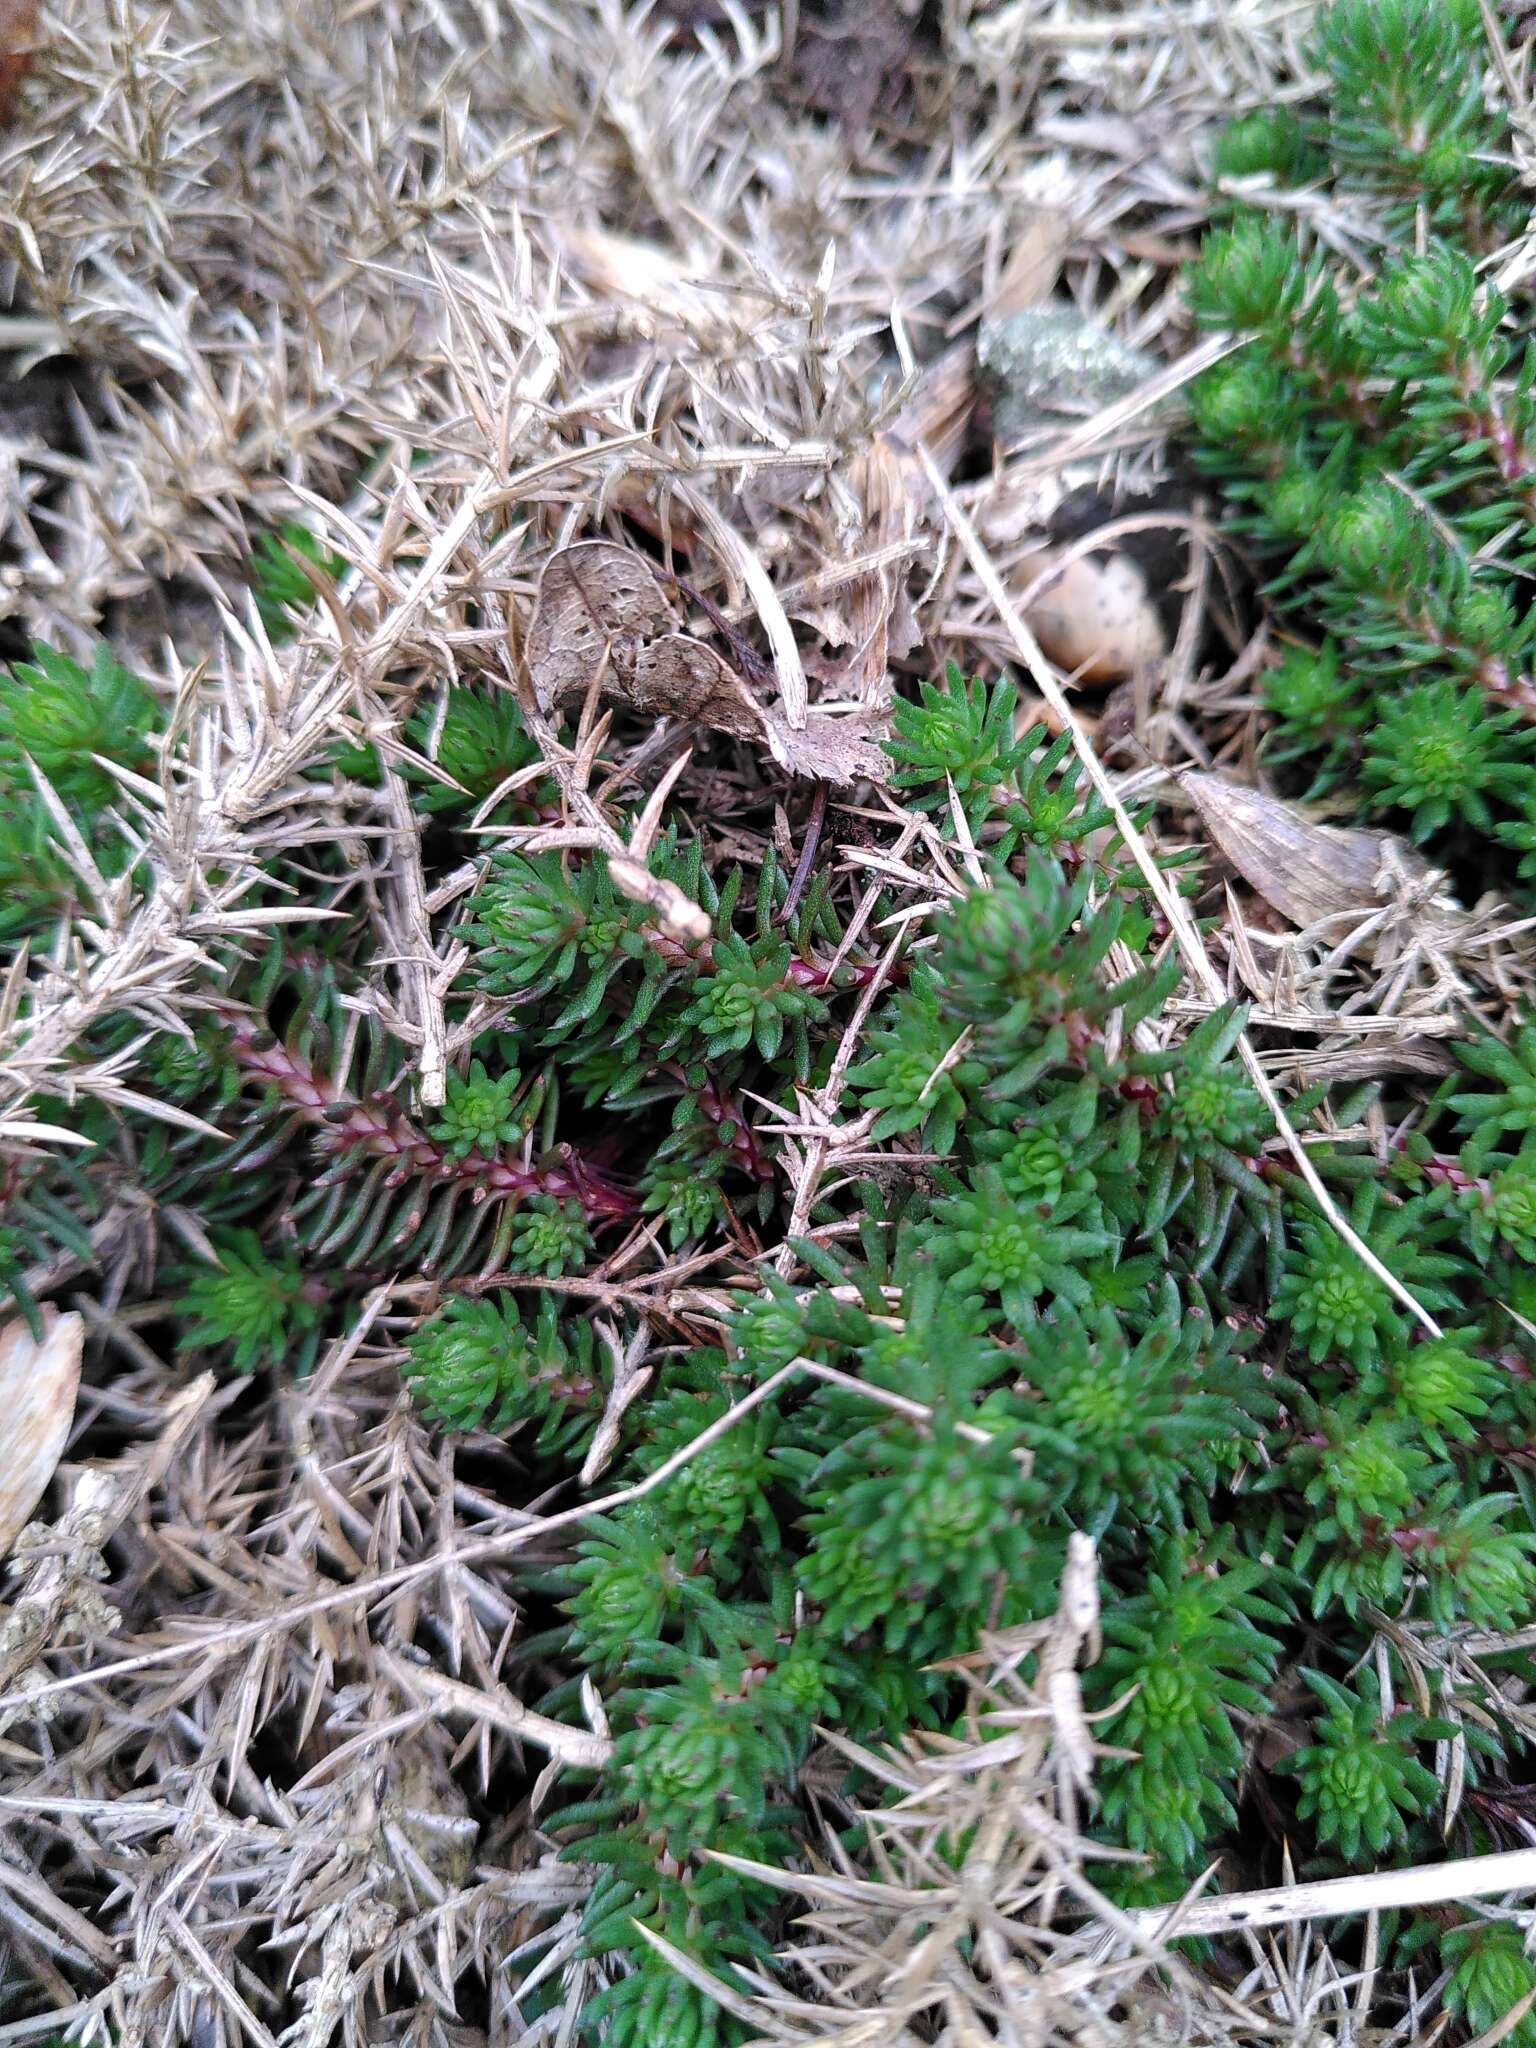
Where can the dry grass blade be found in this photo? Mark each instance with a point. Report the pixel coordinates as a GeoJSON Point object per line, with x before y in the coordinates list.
{"type": "Point", "coordinates": [1385, 1891]}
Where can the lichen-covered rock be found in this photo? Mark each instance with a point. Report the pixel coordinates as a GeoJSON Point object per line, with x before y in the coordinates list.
{"type": "Point", "coordinates": [1051, 363]}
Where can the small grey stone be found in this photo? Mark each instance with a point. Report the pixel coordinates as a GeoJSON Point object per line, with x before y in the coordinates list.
{"type": "Point", "coordinates": [1050, 363]}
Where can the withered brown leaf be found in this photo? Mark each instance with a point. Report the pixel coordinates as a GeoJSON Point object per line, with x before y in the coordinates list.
{"type": "Point", "coordinates": [682, 676]}
{"type": "Point", "coordinates": [598, 605]}
{"type": "Point", "coordinates": [602, 614]}
{"type": "Point", "coordinates": [826, 749]}
{"type": "Point", "coordinates": [1304, 870]}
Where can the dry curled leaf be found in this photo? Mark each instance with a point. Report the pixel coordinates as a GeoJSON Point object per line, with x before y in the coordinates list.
{"type": "Point", "coordinates": [1304, 870]}
{"type": "Point", "coordinates": [598, 605]}
{"type": "Point", "coordinates": [689, 680]}
{"type": "Point", "coordinates": [826, 749]}
{"type": "Point", "coordinates": [38, 1386]}
{"type": "Point", "coordinates": [603, 616]}
{"type": "Point", "coordinates": [850, 58]}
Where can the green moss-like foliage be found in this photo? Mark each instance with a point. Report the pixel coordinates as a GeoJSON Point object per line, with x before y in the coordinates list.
{"type": "Point", "coordinates": [1088, 1278]}
{"type": "Point", "coordinates": [1376, 438]}
{"type": "Point", "coordinates": [279, 582]}
{"type": "Point", "coordinates": [63, 729]}
{"type": "Point", "coordinates": [1108, 1267]}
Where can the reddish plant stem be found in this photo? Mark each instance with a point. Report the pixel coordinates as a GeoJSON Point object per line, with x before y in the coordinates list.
{"type": "Point", "coordinates": [1349, 390]}
{"type": "Point", "coordinates": [1490, 671]}
{"type": "Point", "coordinates": [1141, 1089]}
{"type": "Point", "coordinates": [852, 974]}
{"type": "Point", "coordinates": [1490, 422]}
{"type": "Point", "coordinates": [715, 1104]}
{"type": "Point", "coordinates": [382, 1129]}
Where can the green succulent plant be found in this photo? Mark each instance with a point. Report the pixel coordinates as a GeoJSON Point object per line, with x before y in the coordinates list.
{"type": "Point", "coordinates": [1011, 1236]}
{"type": "Point", "coordinates": [1377, 440]}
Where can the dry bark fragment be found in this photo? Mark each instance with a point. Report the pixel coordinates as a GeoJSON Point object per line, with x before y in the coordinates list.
{"type": "Point", "coordinates": [19, 38]}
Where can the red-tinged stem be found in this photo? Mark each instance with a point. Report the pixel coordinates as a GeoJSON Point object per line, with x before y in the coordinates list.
{"type": "Point", "coordinates": [715, 1104]}
{"type": "Point", "coordinates": [381, 1128]}
{"type": "Point", "coordinates": [1511, 457]}
{"type": "Point", "coordinates": [1490, 420]}
{"type": "Point", "coordinates": [1143, 1091]}
{"type": "Point", "coordinates": [1518, 692]}
{"type": "Point", "coordinates": [1492, 673]}
{"type": "Point", "coordinates": [851, 974]}
{"type": "Point", "coordinates": [1443, 1172]}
